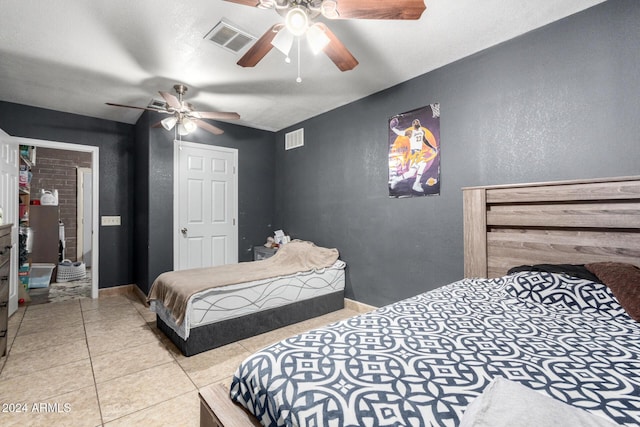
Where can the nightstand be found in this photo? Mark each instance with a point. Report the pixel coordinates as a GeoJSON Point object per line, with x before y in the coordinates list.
{"type": "Point", "coordinates": [261, 252]}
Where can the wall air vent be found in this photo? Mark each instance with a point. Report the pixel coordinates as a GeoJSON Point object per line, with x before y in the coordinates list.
{"type": "Point", "coordinates": [294, 139]}
{"type": "Point", "coordinates": [229, 37]}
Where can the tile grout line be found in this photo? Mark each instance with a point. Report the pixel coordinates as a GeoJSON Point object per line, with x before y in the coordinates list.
{"type": "Point", "coordinates": [175, 356]}
{"type": "Point", "coordinates": [147, 407]}
{"type": "Point", "coordinates": [93, 373]}
{"type": "Point", "coordinates": [155, 404]}
{"type": "Point", "coordinates": [157, 332]}
{"type": "Point", "coordinates": [91, 357]}
{"type": "Point", "coordinates": [95, 382]}
{"type": "Point", "coordinates": [20, 324]}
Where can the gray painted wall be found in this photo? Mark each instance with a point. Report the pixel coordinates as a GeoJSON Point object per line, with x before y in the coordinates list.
{"type": "Point", "coordinates": [136, 182]}
{"type": "Point", "coordinates": [154, 211]}
{"type": "Point", "coordinates": [116, 141]}
{"type": "Point", "coordinates": [562, 102]}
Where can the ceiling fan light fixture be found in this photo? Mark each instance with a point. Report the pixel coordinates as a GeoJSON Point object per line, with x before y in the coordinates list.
{"type": "Point", "coordinates": [297, 21]}
{"type": "Point", "coordinates": [329, 9]}
{"type": "Point", "coordinates": [169, 122]}
{"type": "Point", "coordinates": [280, 5]}
{"type": "Point", "coordinates": [188, 125]}
{"type": "Point", "coordinates": [283, 41]}
{"type": "Point", "coordinates": [182, 131]}
{"type": "Point", "coordinates": [266, 4]}
{"type": "Point", "coordinates": [317, 38]}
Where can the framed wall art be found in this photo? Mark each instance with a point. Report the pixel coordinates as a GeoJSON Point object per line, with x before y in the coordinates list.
{"type": "Point", "coordinates": [414, 153]}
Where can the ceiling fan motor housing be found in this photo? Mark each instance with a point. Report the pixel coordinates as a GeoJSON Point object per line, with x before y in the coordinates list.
{"type": "Point", "coordinates": [180, 89]}
{"type": "Point", "coordinates": [311, 8]}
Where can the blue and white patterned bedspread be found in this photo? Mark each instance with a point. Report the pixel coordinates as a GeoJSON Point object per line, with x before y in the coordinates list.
{"type": "Point", "coordinates": [420, 362]}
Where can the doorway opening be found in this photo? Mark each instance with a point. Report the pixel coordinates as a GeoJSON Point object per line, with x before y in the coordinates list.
{"type": "Point", "coordinates": [63, 194]}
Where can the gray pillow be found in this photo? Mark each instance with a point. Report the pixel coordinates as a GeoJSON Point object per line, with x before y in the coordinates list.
{"type": "Point", "coordinates": [507, 403]}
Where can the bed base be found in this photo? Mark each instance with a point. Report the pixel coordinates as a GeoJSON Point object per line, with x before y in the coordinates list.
{"type": "Point", "coordinates": [208, 337]}
{"type": "Point", "coordinates": [218, 410]}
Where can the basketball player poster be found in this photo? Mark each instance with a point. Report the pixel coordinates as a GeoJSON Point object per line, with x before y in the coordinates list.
{"type": "Point", "coordinates": [414, 153]}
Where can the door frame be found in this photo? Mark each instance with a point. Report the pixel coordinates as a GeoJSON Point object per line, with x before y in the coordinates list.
{"type": "Point", "coordinates": [12, 216]}
{"type": "Point", "coordinates": [94, 151]}
{"type": "Point", "coordinates": [80, 214]}
{"type": "Point", "coordinates": [177, 147]}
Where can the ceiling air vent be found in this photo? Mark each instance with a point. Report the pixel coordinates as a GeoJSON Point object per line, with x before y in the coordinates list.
{"type": "Point", "coordinates": [157, 104]}
{"type": "Point", "coordinates": [229, 37]}
{"type": "Point", "coordinates": [294, 139]}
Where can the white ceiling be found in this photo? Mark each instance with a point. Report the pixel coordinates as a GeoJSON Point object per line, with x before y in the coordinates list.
{"type": "Point", "coordinates": [75, 55]}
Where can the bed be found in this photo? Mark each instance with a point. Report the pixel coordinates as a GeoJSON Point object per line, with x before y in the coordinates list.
{"type": "Point", "coordinates": [548, 327]}
{"type": "Point", "coordinates": [201, 309]}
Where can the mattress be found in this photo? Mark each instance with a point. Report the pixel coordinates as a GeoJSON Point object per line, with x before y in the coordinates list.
{"type": "Point", "coordinates": [233, 301]}
{"type": "Point", "coordinates": [421, 361]}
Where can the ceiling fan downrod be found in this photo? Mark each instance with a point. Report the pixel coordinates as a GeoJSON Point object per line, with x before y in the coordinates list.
{"type": "Point", "coordinates": [180, 90]}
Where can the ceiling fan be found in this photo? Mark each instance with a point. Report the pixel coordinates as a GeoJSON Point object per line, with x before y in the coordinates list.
{"type": "Point", "coordinates": [299, 16]}
{"type": "Point", "coordinates": [183, 114]}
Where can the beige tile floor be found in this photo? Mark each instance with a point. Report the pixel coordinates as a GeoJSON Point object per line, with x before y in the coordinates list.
{"type": "Point", "coordinates": [103, 362]}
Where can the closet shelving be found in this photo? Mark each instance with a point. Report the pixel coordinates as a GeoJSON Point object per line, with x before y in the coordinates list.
{"type": "Point", "coordinates": [27, 161]}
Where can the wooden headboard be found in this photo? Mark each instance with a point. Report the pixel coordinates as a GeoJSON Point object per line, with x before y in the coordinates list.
{"type": "Point", "coordinates": [562, 222]}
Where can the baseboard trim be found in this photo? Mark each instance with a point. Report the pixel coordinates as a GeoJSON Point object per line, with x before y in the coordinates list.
{"type": "Point", "coordinates": [358, 306]}
{"type": "Point", "coordinates": [131, 290]}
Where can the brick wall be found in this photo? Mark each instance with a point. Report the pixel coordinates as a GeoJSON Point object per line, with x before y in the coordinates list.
{"type": "Point", "coordinates": [57, 170]}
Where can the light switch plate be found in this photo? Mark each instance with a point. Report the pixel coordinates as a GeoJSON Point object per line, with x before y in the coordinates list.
{"type": "Point", "coordinates": [110, 220]}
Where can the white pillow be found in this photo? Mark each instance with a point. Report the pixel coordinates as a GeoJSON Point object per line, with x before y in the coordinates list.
{"type": "Point", "coordinates": [507, 403]}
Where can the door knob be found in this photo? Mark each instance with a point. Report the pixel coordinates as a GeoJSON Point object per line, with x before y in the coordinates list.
{"type": "Point", "coordinates": [183, 230]}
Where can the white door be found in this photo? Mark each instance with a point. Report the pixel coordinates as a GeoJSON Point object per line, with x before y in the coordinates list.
{"type": "Point", "coordinates": [205, 205]}
{"type": "Point", "coordinates": [9, 204]}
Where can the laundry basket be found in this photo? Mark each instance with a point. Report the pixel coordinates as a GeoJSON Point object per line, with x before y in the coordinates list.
{"type": "Point", "coordinates": [68, 271]}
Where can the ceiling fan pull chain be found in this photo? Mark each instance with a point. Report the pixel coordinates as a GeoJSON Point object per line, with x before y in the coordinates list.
{"type": "Point", "coordinates": [299, 79]}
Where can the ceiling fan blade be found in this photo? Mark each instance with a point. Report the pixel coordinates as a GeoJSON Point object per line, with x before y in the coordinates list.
{"type": "Point", "coordinates": [209, 127]}
{"type": "Point", "coordinates": [157, 125]}
{"type": "Point", "coordinates": [337, 52]}
{"type": "Point", "coordinates": [253, 3]}
{"type": "Point", "coordinates": [259, 48]}
{"type": "Point", "coordinates": [171, 100]}
{"type": "Point", "coordinates": [131, 106]}
{"type": "Point", "coordinates": [376, 9]}
{"type": "Point", "coordinates": [217, 116]}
